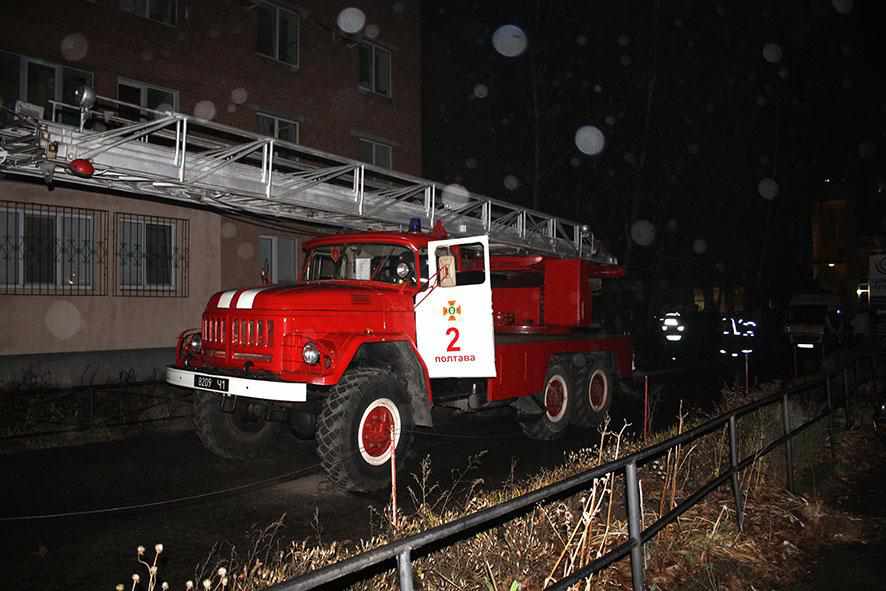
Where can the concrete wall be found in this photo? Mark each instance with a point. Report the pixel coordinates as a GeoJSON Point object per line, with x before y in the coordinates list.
{"type": "Point", "coordinates": [241, 264]}
{"type": "Point", "coordinates": [54, 324]}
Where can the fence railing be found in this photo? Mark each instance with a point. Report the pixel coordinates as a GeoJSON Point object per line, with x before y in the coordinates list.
{"type": "Point", "coordinates": [404, 551]}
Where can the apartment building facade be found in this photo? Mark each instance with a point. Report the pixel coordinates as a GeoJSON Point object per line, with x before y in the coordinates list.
{"type": "Point", "coordinates": [95, 286]}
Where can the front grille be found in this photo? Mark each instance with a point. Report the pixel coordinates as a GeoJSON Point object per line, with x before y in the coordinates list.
{"type": "Point", "coordinates": [214, 331]}
{"type": "Point", "coordinates": [252, 333]}
{"type": "Point", "coordinates": [241, 332]}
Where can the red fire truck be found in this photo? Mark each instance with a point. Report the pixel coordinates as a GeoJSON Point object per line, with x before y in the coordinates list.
{"type": "Point", "coordinates": [493, 310]}
{"type": "Point", "coordinates": [385, 325]}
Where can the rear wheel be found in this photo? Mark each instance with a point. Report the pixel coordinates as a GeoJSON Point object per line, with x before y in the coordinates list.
{"type": "Point", "coordinates": [242, 433]}
{"type": "Point", "coordinates": [557, 400]}
{"type": "Point", "coordinates": [595, 397]}
{"type": "Point", "coordinates": [355, 426]}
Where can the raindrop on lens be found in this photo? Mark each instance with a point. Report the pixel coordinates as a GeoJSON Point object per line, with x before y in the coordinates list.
{"type": "Point", "coordinates": [351, 20]}
{"type": "Point", "coordinates": [509, 40]}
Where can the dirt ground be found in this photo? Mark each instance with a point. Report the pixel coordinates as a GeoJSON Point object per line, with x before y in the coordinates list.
{"type": "Point", "coordinates": [845, 543]}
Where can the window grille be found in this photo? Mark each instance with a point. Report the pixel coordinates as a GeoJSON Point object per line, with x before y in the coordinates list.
{"type": "Point", "coordinates": [52, 250]}
{"type": "Point", "coordinates": [152, 256]}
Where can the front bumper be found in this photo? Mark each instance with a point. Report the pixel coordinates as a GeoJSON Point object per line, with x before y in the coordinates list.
{"type": "Point", "coordinates": [246, 387]}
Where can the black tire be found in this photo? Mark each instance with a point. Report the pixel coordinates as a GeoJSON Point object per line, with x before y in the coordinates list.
{"type": "Point", "coordinates": [594, 397]}
{"type": "Point", "coordinates": [236, 435]}
{"type": "Point", "coordinates": [361, 463]}
{"type": "Point", "coordinates": [557, 400]}
{"type": "Point", "coordinates": [302, 424]}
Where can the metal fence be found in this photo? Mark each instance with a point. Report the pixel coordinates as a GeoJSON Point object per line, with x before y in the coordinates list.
{"type": "Point", "coordinates": [415, 546]}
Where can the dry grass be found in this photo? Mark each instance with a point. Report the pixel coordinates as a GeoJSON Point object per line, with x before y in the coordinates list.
{"type": "Point", "coordinates": [702, 550]}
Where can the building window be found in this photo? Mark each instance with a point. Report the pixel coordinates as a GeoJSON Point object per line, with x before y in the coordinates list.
{"type": "Point", "coordinates": [375, 69]}
{"type": "Point", "coordinates": [38, 82]}
{"type": "Point", "coordinates": [144, 95]}
{"type": "Point", "coordinates": [163, 11]}
{"type": "Point", "coordinates": [152, 256]}
{"type": "Point", "coordinates": [277, 33]}
{"type": "Point", "coordinates": [49, 250]}
{"type": "Point", "coordinates": [278, 259]}
{"type": "Point", "coordinates": [277, 127]}
{"type": "Point", "coordinates": [375, 153]}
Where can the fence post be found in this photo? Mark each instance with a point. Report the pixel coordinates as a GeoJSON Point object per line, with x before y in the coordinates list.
{"type": "Point", "coordinates": [645, 407]}
{"type": "Point", "coordinates": [393, 477]}
{"type": "Point", "coordinates": [404, 569]}
{"type": "Point", "coordinates": [736, 489]}
{"type": "Point", "coordinates": [747, 385]}
{"type": "Point", "coordinates": [846, 398]}
{"type": "Point", "coordinates": [632, 492]}
{"type": "Point", "coordinates": [788, 444]}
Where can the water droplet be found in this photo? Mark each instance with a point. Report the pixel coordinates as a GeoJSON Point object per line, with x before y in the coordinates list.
{"type": "Point", "coordinates": [643, 232]}
{"type": "Point", "coordinates": [481, 91]}
{"type": "Point", "coordinates": [246, 250]}
{"type": "Point", "coordinates": [454, 196]}
{"type": "Point", "coordinates": [843, 6]}
{"type": "Point", "coordinates": [205, 110]}
{"type": "Point", "coordinates": [351, 20]}
{"type": "Point", "coordinates": [229, 230]}
{"type": "Point", "coordinates": [63, 320]}
{"type": "Point", "coordinates": [372, 31]}
{"type": "Point", "coordinates": [509, 40]}
{"type": "Point", "coordinates": [590, 140]}
{"type": "Point", "coordinates": [768, 188]}
{"type": "Point", "coordinates": [772, 53]}
{"type": "Point", "coordinates": [239, 96]}
{"type": "Point", "coordinates": [511, 183]}
{"type": "Point", "coordinates": [74, 47]}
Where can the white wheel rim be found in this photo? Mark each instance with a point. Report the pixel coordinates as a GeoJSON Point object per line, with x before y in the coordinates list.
{"type": "Point", "coordinates": [601, 375]}
{"type": "Point", "coordinates": [556, 381]}
{"type": "Point", "coordinates": [368, 422]}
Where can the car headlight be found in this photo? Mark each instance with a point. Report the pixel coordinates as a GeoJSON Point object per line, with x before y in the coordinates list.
{"type": "Point", "coordinates": [195, 342]}
{"type": "Point", "coordinates": [403, 270]}
{"type": "Point", "coordinates": [311, 354]}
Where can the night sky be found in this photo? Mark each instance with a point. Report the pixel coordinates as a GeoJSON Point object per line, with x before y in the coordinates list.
{"type": "Point", "coordinates": [698, 101]}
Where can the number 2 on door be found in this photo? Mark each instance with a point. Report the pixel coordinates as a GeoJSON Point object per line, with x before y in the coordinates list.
{"type": "Point", "coordinates": [453, 332]}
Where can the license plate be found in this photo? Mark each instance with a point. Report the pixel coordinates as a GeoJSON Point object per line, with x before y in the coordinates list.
{"type": "Point", "coordinates": [211, 383]}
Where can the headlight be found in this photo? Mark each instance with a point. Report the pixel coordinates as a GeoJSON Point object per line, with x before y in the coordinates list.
{"type": "Point", "coordinates": [195, 342]}
{"type": "Point", "coordinates": [311, 354]}
{"type": "Point", "coordinates": [403, 270]}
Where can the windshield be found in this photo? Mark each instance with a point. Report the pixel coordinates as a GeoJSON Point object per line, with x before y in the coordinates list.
{"type": "Point", "coordinates": [389, 263]}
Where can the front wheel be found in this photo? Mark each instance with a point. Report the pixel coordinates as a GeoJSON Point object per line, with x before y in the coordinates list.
{"type": "Point", "coordinates": [243, 433]}
{"type": "Point", "coordinates": [355, 427]}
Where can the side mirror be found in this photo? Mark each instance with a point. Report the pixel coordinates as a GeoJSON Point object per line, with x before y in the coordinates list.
{"type": "Point", "coordinates": [446, 270]}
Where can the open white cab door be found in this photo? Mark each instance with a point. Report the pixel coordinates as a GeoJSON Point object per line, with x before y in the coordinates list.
{"type": "Point", "coordinates": [453, 317]}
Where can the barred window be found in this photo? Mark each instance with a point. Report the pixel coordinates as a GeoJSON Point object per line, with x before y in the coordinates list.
{"type": "Point", "coordinates": [50, 250]}
{"type": "Point", "coordinates": [152, 256]}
